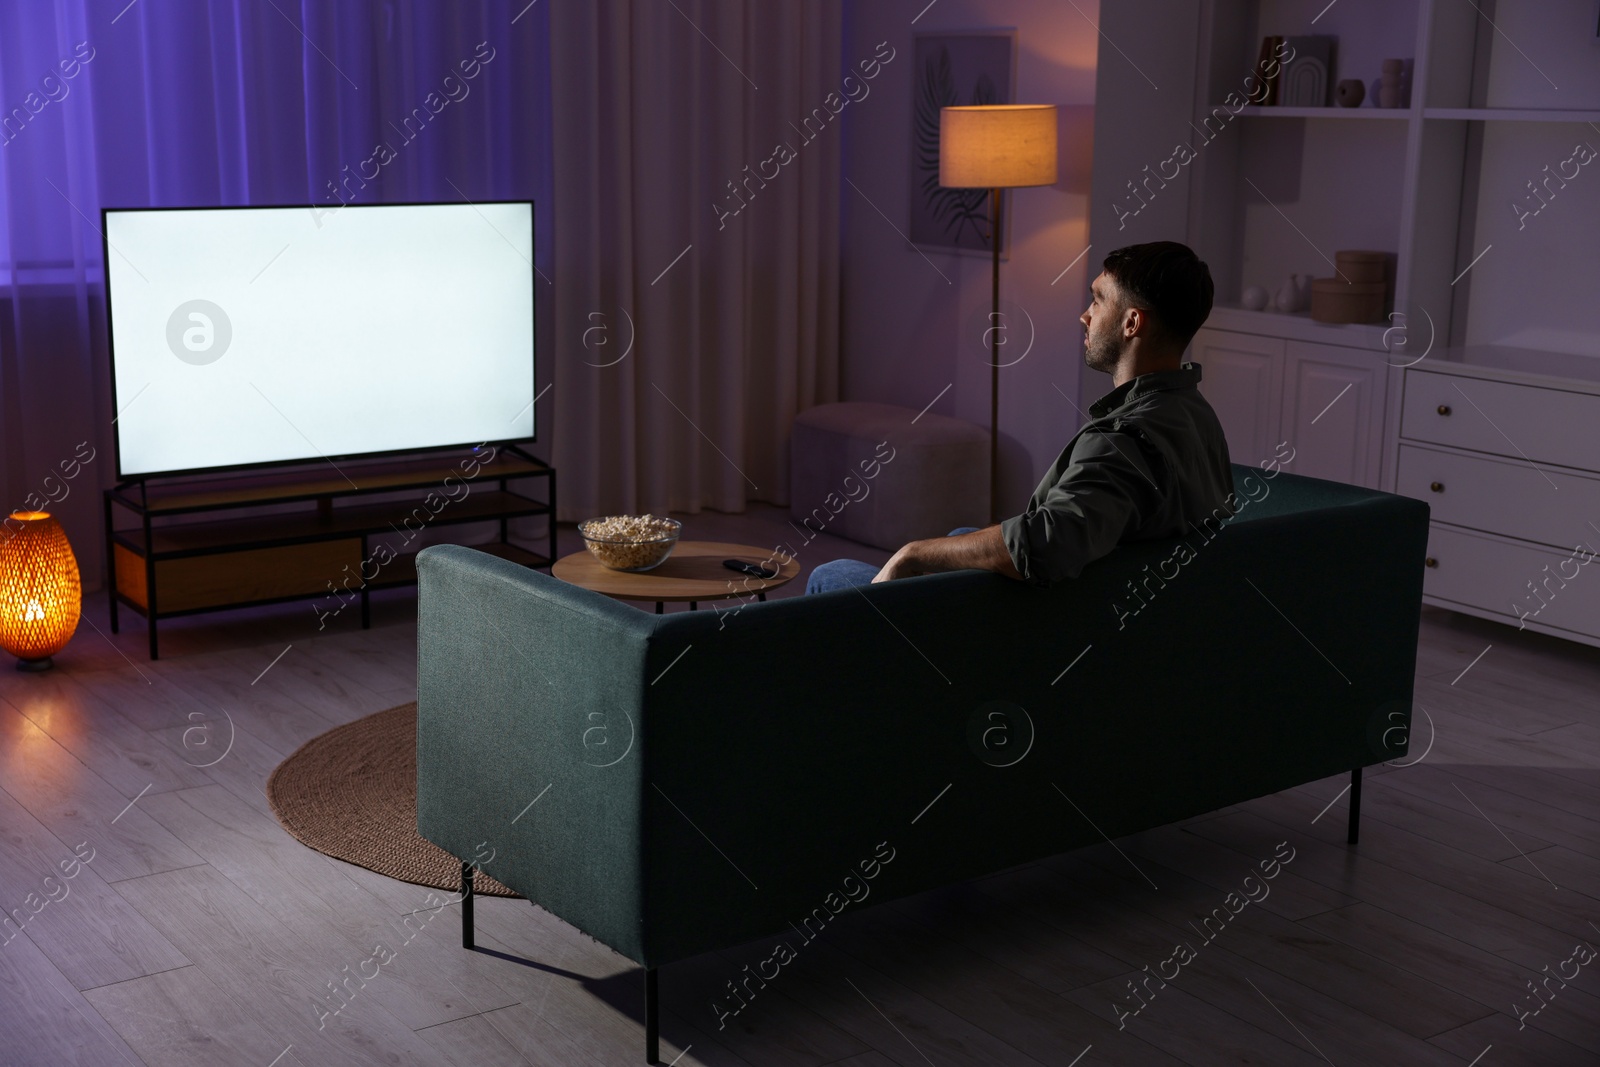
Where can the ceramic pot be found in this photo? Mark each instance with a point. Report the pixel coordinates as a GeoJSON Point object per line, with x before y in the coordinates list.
{"type": "Point", "coordinates": [1389, 86]}
{"type": "Point", "coordinates": [1254, 298]}
{"type": "Point", "coordinates": [1295, 294]}
{"type": "Point", "coordinates": [1350, 92]}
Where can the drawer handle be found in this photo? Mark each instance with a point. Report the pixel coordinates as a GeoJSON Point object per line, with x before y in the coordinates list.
{"type": "Point", "coordinates": [1444, 409]}
{"type": "Point", "coordinates": [1431, 562]}
{"type": "Point", "coordinates": [1437, 487]}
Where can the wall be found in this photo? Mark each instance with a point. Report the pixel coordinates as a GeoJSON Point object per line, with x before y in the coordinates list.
{"type": "Point", "coordinates": [1147, 127]}
{"type": "Point", "coordinates": [912, 325]}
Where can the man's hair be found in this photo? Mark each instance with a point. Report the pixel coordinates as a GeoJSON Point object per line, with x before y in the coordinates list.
{"type": "Point", "coordinates": [1168, 280]}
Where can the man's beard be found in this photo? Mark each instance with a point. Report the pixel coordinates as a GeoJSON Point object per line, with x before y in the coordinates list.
{"type": "Point", "coordinates": [1103, 355]}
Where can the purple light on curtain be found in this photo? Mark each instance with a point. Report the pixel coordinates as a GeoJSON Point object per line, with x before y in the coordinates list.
{"type": "Point", "coordinates": [227, 102]}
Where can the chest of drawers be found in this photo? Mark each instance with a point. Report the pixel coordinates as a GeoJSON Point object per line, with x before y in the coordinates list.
{"type": "Point", "coordinates": [1505, 448]}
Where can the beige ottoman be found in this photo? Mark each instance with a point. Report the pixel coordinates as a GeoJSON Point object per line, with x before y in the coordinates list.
{"type": "Point", "coordinates": [870, 473]}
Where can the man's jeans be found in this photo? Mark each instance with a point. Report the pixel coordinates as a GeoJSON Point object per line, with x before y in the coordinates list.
{"type": "Point", "coordinates": [844, 573]}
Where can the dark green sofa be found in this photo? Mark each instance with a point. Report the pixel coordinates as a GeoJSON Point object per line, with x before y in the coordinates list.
{"type": "Point", "coordinates": [704, 779]}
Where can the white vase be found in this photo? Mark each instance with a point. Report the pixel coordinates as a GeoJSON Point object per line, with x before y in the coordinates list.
{"type": "Point", "coordinates": [1391, 85]}
{"type": "Point", "coordinates": [1294, 294]}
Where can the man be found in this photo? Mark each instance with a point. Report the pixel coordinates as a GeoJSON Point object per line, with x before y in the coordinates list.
{"type": "Point", "coordinates": [1151, 459]}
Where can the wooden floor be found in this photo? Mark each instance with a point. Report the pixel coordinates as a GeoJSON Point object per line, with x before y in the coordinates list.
{"type": "Point", "coordinates": [198, 932]}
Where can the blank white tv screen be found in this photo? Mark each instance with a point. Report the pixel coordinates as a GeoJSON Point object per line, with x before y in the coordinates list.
{"type": "Point", "coordinates": [245, 336]}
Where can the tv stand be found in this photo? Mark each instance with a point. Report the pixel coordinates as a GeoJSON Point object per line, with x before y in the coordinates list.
{"type": "Point", "coordinates": [334, 534]}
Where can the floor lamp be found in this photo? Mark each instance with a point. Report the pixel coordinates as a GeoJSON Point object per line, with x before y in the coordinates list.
{"type": "Point", "coordinates": [996, 147]}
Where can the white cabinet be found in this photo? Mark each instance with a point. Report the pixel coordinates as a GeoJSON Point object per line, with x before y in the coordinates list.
{"type": "Point", "coordinates": [1504, 445]}
{"type": "Point", "coordinates": [1509, 433]}
{"type": "Point", "coordinates": [1333, 412]}
{"type": "Point", "coordinates": [1326, 401]}
{"type": "Point", "coordinates": [1241, 376]}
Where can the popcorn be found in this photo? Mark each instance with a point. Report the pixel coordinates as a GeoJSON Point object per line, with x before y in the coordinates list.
{"type": "Point", "coordinates": [630, 542]}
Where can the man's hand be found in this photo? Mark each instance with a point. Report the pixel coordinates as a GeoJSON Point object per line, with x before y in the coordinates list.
{"type": "Point", "coordinates": [901, 565]}
{"type": "Point", "coordinates": [983, 550]}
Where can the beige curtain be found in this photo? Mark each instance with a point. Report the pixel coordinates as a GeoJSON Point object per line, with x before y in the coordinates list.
{"type": "Point", "coordinates": [696, 247]}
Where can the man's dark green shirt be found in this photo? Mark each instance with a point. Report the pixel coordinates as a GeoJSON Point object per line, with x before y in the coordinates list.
{"type": "Point", "coordinates": [1151, 460]}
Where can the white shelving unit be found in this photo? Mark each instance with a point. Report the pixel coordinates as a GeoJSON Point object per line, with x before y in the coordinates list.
{"type": "Point", "coordinates": [1330, 114]}
{"type": "Point", "coordinates": [1471, 187]}
{"type": "Point", "coordinates": [1510, 114]}
{"type": "Point", "coordinates": [1279, 194]}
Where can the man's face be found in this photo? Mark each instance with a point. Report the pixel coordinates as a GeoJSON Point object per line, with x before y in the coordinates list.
{"type": "Point", "coordinates": [1103, 342]}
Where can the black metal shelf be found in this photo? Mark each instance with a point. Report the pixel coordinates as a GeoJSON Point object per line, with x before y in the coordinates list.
{"type": "Point", "coordinates": [194, 539]}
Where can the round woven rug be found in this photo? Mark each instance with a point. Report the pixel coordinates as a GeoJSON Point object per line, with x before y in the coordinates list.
{"type": "Point", "coordinates": [351, 793]}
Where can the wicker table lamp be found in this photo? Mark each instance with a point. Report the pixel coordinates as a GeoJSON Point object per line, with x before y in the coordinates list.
{"type": "Point", "coordinates": [41, 597]}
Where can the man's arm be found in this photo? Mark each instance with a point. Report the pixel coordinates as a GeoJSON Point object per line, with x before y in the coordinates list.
{"type": "Point", "coordinates": [981, 550]}
{"type": "Point", "coordinates": [1106, 490]}
{"type": "Point", "coordinates": [1103, 493]}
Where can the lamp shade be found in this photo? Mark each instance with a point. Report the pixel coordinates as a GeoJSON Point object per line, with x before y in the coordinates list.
{"type": "Point", "coordinates": [998, 146]}
{"type": "Point", "coordinates": [40, 594]}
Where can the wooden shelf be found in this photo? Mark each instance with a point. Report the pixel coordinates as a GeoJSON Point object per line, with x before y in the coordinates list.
{"type": "Point", "coordinates": [1341, 113]}
{"type": "Point", "coordinates": [402, 570]}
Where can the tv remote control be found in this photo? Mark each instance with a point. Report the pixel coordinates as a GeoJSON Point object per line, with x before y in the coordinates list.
{"type": "Point", "coordinates": [753, 569]}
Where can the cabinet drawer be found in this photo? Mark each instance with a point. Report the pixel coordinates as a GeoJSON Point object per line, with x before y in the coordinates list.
{"type": "Point", "coordinates": [1545, 425]}
{"type": "Point", "coordinates": [1502, 496]}
{"type": "Point", "coordinates": [1494, 575]}
{"type": "Point", "coordinates": [238, 577]}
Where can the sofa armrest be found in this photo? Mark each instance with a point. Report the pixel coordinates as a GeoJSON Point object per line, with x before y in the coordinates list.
{"type": "Point", "coordinates": [527, 689]}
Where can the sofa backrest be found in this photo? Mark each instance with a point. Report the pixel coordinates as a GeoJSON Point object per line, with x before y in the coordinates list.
{"type": "Point", "coordinates": [800, 734]}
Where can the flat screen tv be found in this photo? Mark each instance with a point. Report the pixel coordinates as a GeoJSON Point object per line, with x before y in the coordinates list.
{"type": "Point", "coordinates": [251, 336]}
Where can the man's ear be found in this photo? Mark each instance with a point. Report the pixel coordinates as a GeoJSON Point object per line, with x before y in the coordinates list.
{"type": "Point", "coordinates": [1134, 321]}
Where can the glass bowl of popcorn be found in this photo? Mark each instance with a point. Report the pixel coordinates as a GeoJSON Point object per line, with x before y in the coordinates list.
{"type": "Point", "coordinates": [630, 542]}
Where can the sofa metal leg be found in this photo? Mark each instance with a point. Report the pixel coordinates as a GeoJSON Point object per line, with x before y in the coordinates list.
{"type": "Point", "coordinates": [652, 1019]}
{"type": "Point", "coordinates": [1355, 805]}
{"type": "Point", "coordinates": [466, 905]}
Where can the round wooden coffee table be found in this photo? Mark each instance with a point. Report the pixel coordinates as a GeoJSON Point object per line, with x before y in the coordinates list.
{"type": "Point", "coordinates": [694, 572]}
